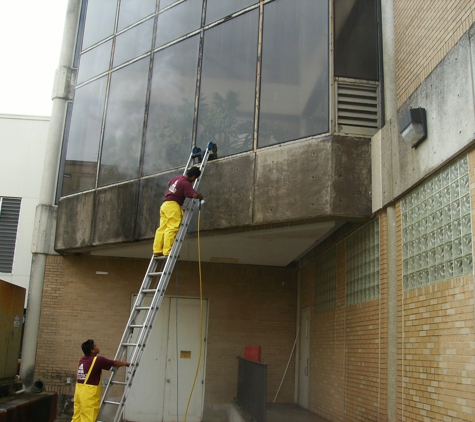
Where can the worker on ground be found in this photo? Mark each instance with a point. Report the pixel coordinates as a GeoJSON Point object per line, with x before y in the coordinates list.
{"type": "Point", "coordinates": [171, 212]}
{"type": "Point", "coordinates": [87, 396]}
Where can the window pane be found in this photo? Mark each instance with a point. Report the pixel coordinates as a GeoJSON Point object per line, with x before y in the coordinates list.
{"type": "Point", "coordinates": [132, 11]}
{"type": "Point", "coordinates": [124, 123]}
{"type": "Point", "coordinates": [84, 135]}
{"type": "Point", "coordinates": [217, 9]}
{"type": "Point", "coordinates": [226, 108]}
{"type": "Point", "coordinates": [294, 83]}
{"type": "Point", "coordinates": [100, 21]}
{"type": "Point", "coordinates": [178, 21]}
{"type": "Point", "coordinates": [94, 62]}
{"type": "Point", "coordinates": [133, 43]}
{"type": "Point", "coordinates": [172, 101]}
{"type": "Point", "coordinates": [165, 3]}
{"type": "Point", "coordinates": [356, 39]}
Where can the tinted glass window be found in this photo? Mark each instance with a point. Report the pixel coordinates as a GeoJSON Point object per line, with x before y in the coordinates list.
{"type": "Point", "coordinates": [100, 21]}
{"type": "Point", "coordinates": [94, 62]}
{"type": "Point", "coordinates": [133, 43]}
{"type": "Point", "coordinates": [84, 136]}
{"type": "Point", "coordinates": [124, 123]}
{"type": "Point", "coordinates": [165, 3]}
{"type": "Point", "coordinates": [132, 11]}
{"type": "Point", "coordinates": [217, 9]}
{"type": "Point", "coordinates": [178, 21]}
{"type": "Point", "coordinates": [226, 106]}
{"type": "Point", "coordinates": [294, 84]}
{"type": "Point", "coordinates": [172, 103]}
{"type": "Point", "coordinates": [356, 39]}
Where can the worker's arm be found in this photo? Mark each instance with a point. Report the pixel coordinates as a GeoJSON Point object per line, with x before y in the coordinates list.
{"type": "Point", "coordinates": [119, 363]}
{"type": "Point", "coordinates": [197, 196]}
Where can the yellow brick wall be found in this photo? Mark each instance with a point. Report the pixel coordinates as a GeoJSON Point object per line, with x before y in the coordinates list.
{"type": "Point", "coordinates": [348, 371]}
{"type": "Point", "coordinates": [247, 305]}
{"type": "Point", "coordinates": [425, 31]}
{"type": "Point", "coordinates": [436, 337]}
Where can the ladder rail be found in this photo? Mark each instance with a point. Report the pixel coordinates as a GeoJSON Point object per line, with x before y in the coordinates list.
{"type": "Point", "coordinates": [142, 330]}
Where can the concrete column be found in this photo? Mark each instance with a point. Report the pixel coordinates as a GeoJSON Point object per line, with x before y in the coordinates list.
{"type": "Point", "coordinates": [390, 103]}
{"type": "Point", "coordinates": [45, 218]}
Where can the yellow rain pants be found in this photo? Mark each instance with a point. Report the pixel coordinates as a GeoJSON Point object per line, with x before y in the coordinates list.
{"type": "Point", "coordinates": [170, 219]}
{"type": "Point", "coordinates": [87, 399]}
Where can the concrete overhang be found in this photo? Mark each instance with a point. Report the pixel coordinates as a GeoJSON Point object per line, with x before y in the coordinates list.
{"type": "Point", "coordinates": [264, 208]}
{"type": "Point", "coordinates": [271, 247]}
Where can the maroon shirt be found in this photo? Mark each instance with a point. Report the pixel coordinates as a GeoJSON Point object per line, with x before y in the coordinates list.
{"type": "Point", "coordinates": [95, 377]}
{"type": "Point", "coordinates": [179, 189]}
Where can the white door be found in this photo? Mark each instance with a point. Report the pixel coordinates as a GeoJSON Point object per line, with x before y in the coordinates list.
{"type": "Point", "coordinates": [304, 357]}
{"type": "Point", "coordinates": [164, 379]}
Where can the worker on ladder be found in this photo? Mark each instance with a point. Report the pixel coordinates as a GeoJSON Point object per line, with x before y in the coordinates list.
{"type": "Point", "coordinates": [171, 212]}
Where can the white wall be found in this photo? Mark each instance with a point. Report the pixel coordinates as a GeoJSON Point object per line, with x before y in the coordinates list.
{"type": "Point", "coordinates": [22, 146]}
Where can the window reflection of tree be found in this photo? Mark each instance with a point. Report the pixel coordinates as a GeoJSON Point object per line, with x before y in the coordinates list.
{"type": "Point", "coordinates": [221, 123]}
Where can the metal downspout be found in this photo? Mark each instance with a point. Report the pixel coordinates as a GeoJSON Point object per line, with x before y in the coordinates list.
{"type": "Point", "coordinates": [45, 217]}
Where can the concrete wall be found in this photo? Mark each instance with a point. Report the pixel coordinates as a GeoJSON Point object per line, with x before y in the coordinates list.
{"type": "Point", "coordinates": [448, 96]}
{"type": "Point", "coordinates": [312, 180]}
{"type": "Point", "coordinates": [247, 305]}
{"type": "Point", "coordinates": [22, 146]}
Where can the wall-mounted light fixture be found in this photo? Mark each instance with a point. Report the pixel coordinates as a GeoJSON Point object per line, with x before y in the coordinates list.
{"type": "Point", "coordinates": [413, 126]}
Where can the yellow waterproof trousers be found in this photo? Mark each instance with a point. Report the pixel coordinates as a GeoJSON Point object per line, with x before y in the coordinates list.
{"type": "Point", "coordinates": [87, 399]}
{"type": "Point", "coordinates": [170, 219]}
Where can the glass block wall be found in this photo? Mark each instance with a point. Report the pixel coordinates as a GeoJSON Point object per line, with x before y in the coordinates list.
{"type": "Point", "coordinates": [362, 264]}
{"type": "Point", "coordinates": [437, 228]}
{"type": "Point", "coordinates": [325, 281]}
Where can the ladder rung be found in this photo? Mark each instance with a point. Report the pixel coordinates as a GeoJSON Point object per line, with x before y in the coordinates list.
{"type": "Point", "coordinates": [136, 326]}
{"type": "Point", "coordinates": [112, 402]}
{"type": "Point", "coordinates": [142, 308]}
{"type": "Point", "coordinates": [149, 290]}
{"type": "Point", "coordinates": [130, 344]}
{"type": "Point", "coordinates": [118, 382]}
{"type": "Point", "coordinates": [154, 274]}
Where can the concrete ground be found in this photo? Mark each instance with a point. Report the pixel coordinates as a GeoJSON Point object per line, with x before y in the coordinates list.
{"type": "Point", "coordinates": [276, 412]}
{"type": "Point", "coordinates": [280, 412]}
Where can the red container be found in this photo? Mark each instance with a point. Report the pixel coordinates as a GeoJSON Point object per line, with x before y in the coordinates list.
{"type": "Point", "coordinates": [252, 352]}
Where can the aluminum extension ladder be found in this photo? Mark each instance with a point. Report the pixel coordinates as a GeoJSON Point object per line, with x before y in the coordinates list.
{"type": "Point", "coordinates": [147, 304]}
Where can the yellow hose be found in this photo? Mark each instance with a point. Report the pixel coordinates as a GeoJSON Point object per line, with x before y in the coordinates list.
{"type": "Point", "coordinates": [201, 317]}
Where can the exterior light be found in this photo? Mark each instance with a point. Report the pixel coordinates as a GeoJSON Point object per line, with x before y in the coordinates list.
{"type": "Point", "coordinates": [413, 126]}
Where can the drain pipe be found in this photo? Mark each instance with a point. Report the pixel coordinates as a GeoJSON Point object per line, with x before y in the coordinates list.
{"type": "Point", "coordinates": [390, 103]}
{"type": "Point", "coordinates": [45, 217]}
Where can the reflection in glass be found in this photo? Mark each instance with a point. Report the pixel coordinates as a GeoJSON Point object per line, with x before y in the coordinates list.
{"type": "Point", "coordinates": [124, 123]}
{"type": "Point", "coordinates": [84, 136]}
{"type": "Point", "coordinates": [295, 78]}
{"type": "Point", "coordinates": [226, 107]}
{"type": "Point", "coordinates": [172, 100]}
{"type": "Point", "coordinates": [165, 3]}
{"type": "Point", "coordinates": [132, 11]}
{"type": "Point", "coordinates": [94, 62]}
{"type": "Point", "coordinates": [356, 39]}
{"type": "Point", "coordinates": [100, 21]}
{"type": "Point", "coordinates": [133, 43]}
{"type": "Point", "coordinates": [178, 21]}
{"type": "Point", "coordinates": [217, 9]}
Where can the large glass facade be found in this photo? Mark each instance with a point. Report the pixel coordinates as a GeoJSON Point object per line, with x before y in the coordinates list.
{"type": "Point", "coordinates": [158, 76]}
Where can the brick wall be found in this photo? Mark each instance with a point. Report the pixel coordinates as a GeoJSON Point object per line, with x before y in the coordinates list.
{"type": "Point", "coordinates": [247, 305]}
{"type": "Point", "coordinates": [348, 370]}
{"type": "Point", "coordinates": [425, 31]}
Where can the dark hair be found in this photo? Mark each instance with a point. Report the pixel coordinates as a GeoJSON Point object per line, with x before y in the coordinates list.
{"type": "Point", "coordinates": [193, 171]}
{"type": "Point", "coordinates": [87, 347]}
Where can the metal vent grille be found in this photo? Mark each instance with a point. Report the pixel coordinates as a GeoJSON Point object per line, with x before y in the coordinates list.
{"type": "Point", "coordinates": [357, 107]}
{"type": "Point", "coordinates": [9, 215]}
